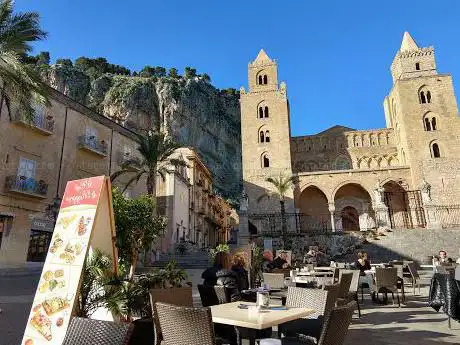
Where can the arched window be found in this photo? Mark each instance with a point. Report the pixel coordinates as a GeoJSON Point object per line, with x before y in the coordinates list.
{"type": "Point", "coordinates": [430, 122]}
{"type": "Point", "coordinates": [427, 124]}
{"type": "Point", "coordinates": [267, 136]}
{"type": "Point", "coordinates": [428, 97]}
{"type": "Point", "coordinates": [436, 153]}
{"type": "Point", "coordinates": [265, 80]}
{"type": "Point", "coordinates": [266, 111]}
{"type": "Point", "coordinates": [260, 80]}
{"type": "Point", "coordinates": [265, 161]}
{"type": "Point", "coordinates": [417, 66]}
{"type": "Point", "coordinates": [262, 137]}
{"type": "Point", "coordinates": [422, 97]}
{"type": "Point", "coordinates": [261, 113]}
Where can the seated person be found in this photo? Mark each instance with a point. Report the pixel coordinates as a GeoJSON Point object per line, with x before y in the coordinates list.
{"type": "Point", "coordinates": [363, 263]}
{"type": "Point", "coordinates": [267, 264]}
{"type": "Point", "coordinates": [443, 259]}
{"type": "Point", "coordinates": [239, 268]}
{"type": "Point", "coordinates": [281, 261]}
{"type": "Point", "coordinates": [221, 274]}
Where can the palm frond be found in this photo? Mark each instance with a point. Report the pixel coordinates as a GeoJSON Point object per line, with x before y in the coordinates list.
{"type": "Point", "coordinates": [134, 179]}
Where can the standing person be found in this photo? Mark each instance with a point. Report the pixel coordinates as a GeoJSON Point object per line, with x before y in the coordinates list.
{"type": "Point", "coordinates": [221, 274]}
{"type": "Point", "coordinates": [281, 261]}
{"type": "Point", "coordinates": [239, 268]}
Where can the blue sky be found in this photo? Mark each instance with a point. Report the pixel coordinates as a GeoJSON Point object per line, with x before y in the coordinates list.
{"type": "Point", "coordinates": [335, 56]}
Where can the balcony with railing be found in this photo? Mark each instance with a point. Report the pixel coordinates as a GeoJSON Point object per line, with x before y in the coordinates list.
{"type": "Point", "coordinates": [92, 144]}
{"type": "Point", "coordinates": [26, 186]}
{"type": "Point", "coordinates": [43, 125]}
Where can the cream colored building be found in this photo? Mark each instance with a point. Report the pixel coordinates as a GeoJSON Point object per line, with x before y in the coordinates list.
{"type": "Point", "coordinates": [195, 213]}
{"type": "Point", "coordinates": [404, 175]}
{"type": "Point", "coordinates": [66, 141]}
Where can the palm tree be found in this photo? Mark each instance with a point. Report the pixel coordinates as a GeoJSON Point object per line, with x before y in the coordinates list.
{"type": "Point", "coordinates": [281, 186]}
{"type": "Point", "coordinates": [155, 148]}
{"type": "Point", "coordinates": [20, 83]}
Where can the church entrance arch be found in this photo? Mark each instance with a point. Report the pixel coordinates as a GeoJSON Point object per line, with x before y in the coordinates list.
{"type": "Point", "coordinates": [350, 219]}
{"type": "Point", "coordinates": [314, 210]}
{"type": "Point", "coordinates": [405, 208]}
{"type": "Point", "coordinates": [353, 208]}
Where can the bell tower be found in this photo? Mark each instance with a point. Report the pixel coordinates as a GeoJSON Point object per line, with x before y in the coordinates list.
{"type": "Point", "coordinates": [265, 134]}
{"type": "Point", "coordinates": [422, 110]}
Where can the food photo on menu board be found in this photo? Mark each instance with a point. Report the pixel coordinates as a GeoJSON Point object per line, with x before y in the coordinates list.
{"type": "Point", "coordinates": [57, 288]}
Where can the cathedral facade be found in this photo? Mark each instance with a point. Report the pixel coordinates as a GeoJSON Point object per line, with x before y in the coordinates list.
{"type": "Point", "coordinates": [404, 175]}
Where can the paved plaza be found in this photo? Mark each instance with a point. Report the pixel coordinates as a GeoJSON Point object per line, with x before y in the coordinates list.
{"type": "Point", "coordinates": [413, 323]}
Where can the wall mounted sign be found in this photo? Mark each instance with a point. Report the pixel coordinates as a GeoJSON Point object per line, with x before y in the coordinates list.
{"type": "Point", "coordinates": [85, 223]}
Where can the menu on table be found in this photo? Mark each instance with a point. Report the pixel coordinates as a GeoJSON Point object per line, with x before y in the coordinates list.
{"type": "Point", "coordinates": [58, 287]}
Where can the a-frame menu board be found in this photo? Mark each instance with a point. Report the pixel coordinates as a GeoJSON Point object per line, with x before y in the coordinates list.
{"type": "Point", "coordinates": [85, 223]}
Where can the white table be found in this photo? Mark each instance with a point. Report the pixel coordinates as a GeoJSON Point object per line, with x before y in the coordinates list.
{"type": "Point", "coordinates": [230, 314]}
{"type": "Point", "coordinates": [314, 274]}
{"type": "Point", "coordinates": [324, 268]}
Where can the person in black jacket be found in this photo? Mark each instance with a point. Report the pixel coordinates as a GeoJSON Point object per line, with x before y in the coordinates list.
{"type": "Point", "coordinates": [221, 274]}
{"type": "Point", "coordinates": [242, 279]}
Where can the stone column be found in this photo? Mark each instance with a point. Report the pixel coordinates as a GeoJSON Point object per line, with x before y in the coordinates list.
{"type": "Point", "coordinates": [332, 212]}
{"type": "Point", "coordinates": [243, 232]}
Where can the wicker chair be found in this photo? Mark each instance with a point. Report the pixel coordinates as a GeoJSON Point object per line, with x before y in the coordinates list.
{"type": "Point", "coordinates": [335, 275]}
{"type": "Point", "coordinates": [334, 330]}
{"type": "Point", "coordinates": [386, 280]}
{"type": "Point", "coordinates": [177, 296]}
{"type": "Point", "coordinates": [415, 278]}
{"type": "Point", "coordinates": [274, 280]}
{"type": "Point", "coordinates": [212, 295]}
{"type": "Point", "coordinates": [185, 325]}
{"type": "Point", "coordinates": [84, 331]}
{"type": "Point", "coordinates": [305, 298]}
{"type": "Point", "coordinates": [345, 279]}
{"type": "Point", "coordinates": [352, 294]}
{"type": "Point", "coordinates": [333, 292]}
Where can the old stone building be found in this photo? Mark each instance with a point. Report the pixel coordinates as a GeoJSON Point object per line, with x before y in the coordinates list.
{"type": "Point", "coordinates": [66, 141]}
{"type": "Point", "coordinates": [196, 214]}
{"type": "Point", "coordinates": [404, 175]}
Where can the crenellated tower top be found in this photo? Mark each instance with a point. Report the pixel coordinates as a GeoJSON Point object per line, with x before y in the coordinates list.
{"type": "Point", "coordinates": [412, 61]}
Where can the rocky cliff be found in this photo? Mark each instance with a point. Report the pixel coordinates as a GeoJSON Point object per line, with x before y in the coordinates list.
{"type": "Point", "coordinates": [189, 108]}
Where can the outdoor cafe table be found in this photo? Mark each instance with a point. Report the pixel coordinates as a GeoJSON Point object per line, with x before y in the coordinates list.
{"type": "Point", "coordinates": [252, 319]}
{"type": "Point", "coordinates": [314, 274]}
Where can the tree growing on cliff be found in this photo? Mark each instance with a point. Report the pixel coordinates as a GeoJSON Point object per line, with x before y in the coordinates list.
{"type": "Point", "coordinates": [281, 185]}
{"type": "Point", "coordinates": [173, 73]}
{"type": "Point", "coordinates": [155, 149]}
{"type": "Point", "coordinates": [190, 72]}
{"type": "Point", "coordinates": [21, 84]}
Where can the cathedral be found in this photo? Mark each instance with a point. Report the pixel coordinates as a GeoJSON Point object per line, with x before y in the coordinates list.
{"type": "Point", "coordinates": [401, 176]}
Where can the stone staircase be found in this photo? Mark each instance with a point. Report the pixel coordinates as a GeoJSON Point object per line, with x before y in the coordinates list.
{"type": "Point", "coordinates": [414, 244]}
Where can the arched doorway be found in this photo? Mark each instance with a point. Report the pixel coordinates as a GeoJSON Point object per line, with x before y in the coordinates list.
{"type": "Point", "coordinates": [350, 219]}
{"type": "Point", "coordinates": [353, 208]}
{"type": "Point", "coordinates": [314, 210]}
{"type": "Point", "coordinates": [396, 201]}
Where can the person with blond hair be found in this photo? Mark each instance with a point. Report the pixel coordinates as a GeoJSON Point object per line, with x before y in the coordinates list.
{"type": "Point", "coordinates": [239, 268]}
{"type": "Point", "coordinates": [221, 274]}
